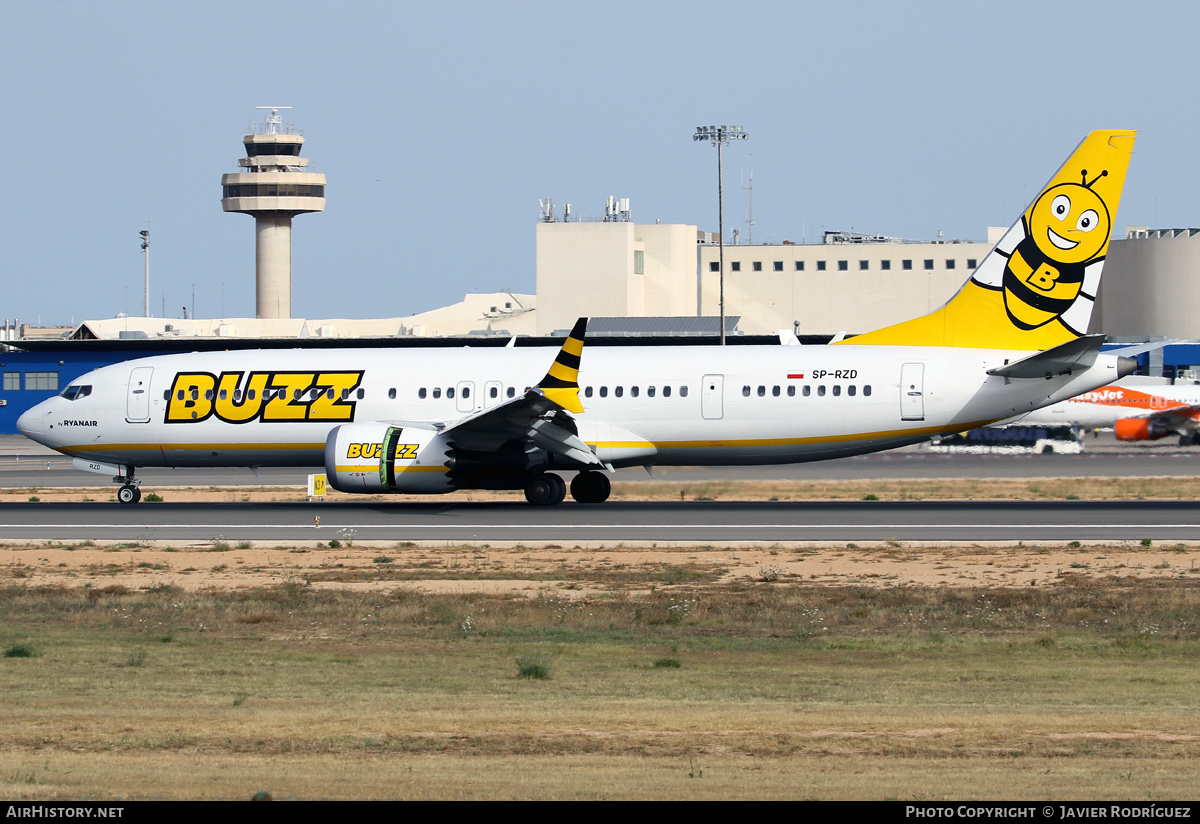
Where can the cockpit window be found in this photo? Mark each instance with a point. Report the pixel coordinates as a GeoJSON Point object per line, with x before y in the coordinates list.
{"type": "Point", "coordinates": [75, 391]}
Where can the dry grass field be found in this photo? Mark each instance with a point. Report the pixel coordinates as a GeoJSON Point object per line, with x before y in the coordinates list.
{"type": "Point", "coordinates": [866, 671]}
{"type": "Point", "coordinates": [549, 672]}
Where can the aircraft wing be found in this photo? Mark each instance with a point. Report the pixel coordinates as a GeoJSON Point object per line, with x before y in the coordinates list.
{"type": "Point", "coordinates": [540, 416]}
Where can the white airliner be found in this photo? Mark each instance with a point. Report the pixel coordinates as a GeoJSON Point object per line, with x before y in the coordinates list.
{"type": "Point", "coordinates": [1134, 413]}
{"type": "Point", "coordinates": [1010, 341]}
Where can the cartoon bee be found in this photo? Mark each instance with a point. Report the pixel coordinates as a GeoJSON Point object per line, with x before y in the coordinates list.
{"type": "Point", "coordinates": [1066, 230]}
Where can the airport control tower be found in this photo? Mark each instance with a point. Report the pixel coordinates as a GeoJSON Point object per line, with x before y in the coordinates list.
{"type": "Point", "coordinates": [274, 187]}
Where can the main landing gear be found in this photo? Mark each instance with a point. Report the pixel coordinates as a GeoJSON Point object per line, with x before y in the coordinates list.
{"type": "Point", "coordinates": [548, 489]}
{"type": "Point", "coordinates": [590, 488]}
{"type": "Point", "coordinates": [130, 492]}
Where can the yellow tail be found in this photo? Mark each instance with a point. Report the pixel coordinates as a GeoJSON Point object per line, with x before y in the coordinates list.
{"type": "Point", "coordinates": [1037, 286]}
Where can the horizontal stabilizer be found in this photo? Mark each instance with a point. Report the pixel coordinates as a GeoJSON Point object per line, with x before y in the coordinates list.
{"type": "Point", "coordinates": [1133, 350]}
{"type": "Point", "coordinates": [1073, 356]}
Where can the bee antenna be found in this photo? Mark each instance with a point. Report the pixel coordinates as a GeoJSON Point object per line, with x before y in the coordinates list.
{"type": "Point", "coordinates": [1094, 179]}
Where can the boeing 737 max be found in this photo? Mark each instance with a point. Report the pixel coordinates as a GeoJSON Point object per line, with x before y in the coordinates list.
{"type": "Point", "coordinates": [1010, 341]}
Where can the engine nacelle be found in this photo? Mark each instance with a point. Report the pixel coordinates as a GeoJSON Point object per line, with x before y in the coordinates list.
{"type": "Point", "coordinates": [379, 457]}
{"type": "Point", "coordinates": [1139, 429]}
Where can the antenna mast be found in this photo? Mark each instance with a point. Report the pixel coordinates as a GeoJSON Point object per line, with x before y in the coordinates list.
{"type": "Point", "coordinates": [750, 220]}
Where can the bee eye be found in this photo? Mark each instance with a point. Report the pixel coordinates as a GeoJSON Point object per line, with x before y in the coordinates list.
{"type": "Point", "coordinates": [1087, 221]}
{"type": "Point", "coordinates": [1061, 206]}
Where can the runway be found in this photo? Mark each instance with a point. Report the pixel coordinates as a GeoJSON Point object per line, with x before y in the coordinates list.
{"type": "Point", "coordinates": [703, 522]}
{"type": "Point", "coordinates": [22, 466]}
{"type": "Point", "coordinates": [56, 471]}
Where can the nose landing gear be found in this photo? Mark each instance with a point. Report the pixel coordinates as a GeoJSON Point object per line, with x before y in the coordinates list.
{"type": "Point", "coordinates": [130, 492]}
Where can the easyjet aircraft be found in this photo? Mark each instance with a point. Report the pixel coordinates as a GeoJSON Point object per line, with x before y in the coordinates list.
{"type": "Point", "coordinates": [1010, 341]}
{"type": "Point", "coordinates": [1134, 413]}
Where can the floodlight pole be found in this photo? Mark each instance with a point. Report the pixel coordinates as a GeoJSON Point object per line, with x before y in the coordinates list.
{"type": "Point", "coordinates": [145, 233]}
{"type": "Point", "coordinates": [720, 136]}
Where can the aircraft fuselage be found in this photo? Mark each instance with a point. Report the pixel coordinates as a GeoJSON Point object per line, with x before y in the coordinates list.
{"type": "Point", "coordinates": [667, 405]}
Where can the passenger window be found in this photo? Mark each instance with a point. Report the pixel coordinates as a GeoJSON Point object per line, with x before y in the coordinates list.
{"type": "Point", "coordinates": [867, 391]}
{"type": "Point", "coordinates": [792, 391]}
{"type": "Point", "coordinates": [449, 391]}
{"type": "Point", "coordinates": [745, 391]}
{"type": "Point", "coordinates": [619, 391]}
{"type": "Point", "coordinates": [666, 391]}
{"type": "Point", "coordinates": [683, 391]}
{"type": "Point", "coordinates": [807, 390]}
{"type": "Point", "coordinates": [633, 391]}
{"type": "Point", "coordinates": [466, 393]}
{"type": "Point", "coordinates": [296, 393]}
{"type": "Point", "coordinates": [329, 394]}
{"type": "Point", "coordinates": [437, 392]}
{"type": "Point", "coordinates": [166, 394]}
{"type": "Point", "coordinates": [512, 391]}
{"type": "Point", "coordinates": [650, 391]}
{"type": "Point", "coordinates": [775, 391]}
{"type": "Point", "coordinates": [195, 394]}
{"type": "Point", "coordinates": [250, 394]}
{"type": "Point", "coordinates": [361, 393]}
{"type": "Point", "coordinates": [850, 390]}
{"type": "Point", "coordinates": [587, 393]}
{"type": "Point", "coordinates": [237, 396]}
{"type": "Point", "coordinates": [208, 394]}
{"type": "Point", "coordinates": [224, 394]}
{"type": "Point", "coordinates": [392, 394]}
{"type": "Point", "coordinates": [762, 391]}
{"type": "Point", "coordinates": [494, 392]}
{"type": "Point", "coordinates": [821, 391]}
{"type": "Point", "coordinates": [837, 389]}
{"type": "Point", "coordinates": [421, 393]}
{"type": "Point", "coordinates": [604, 391]}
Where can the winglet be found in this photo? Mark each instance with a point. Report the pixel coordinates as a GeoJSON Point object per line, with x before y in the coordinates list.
{"type": "Point", "coordinates": [561, 383]}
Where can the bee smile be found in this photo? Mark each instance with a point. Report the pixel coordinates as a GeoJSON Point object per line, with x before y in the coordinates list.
{"type": "Point", "coordinates": [1060, 241]}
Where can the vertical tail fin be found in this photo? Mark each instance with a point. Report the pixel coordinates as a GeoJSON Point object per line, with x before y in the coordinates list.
{"type": "Point", "coordinates": [1037, 286]}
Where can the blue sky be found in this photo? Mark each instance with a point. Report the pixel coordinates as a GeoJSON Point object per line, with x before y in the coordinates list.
{"type": "Point", "coordinates": [440, 126]}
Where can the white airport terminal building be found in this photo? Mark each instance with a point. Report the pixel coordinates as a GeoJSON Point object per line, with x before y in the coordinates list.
{"type": "Point", "coordinates": [849, 283]}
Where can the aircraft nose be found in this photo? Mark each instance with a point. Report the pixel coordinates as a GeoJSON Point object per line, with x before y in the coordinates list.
{"type": "Point", "coordinates": [32, 423]}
